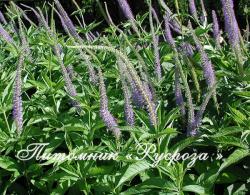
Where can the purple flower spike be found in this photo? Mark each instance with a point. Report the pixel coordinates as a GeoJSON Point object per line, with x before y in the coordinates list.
{"type": "Point", "coordinates": [175, 26]}
{"type": "Point", "coordinates": [137, 98]}
{"type": "Point", "coordinates": [106, 116]}
{"type": "Point", "coordinates": [216, 29]}
{"type": "Point", "coordinates": [126, 9]}
{"type": "Point", "coordinates": [187, 49]}
{"type": "Point", "coordinates": [155, 15]}
{"type": "Point", "coordinates": [67, 26]}
{"type": "Point", "coordinates": [148, 91]}
{"type": "Point", "coordinates": [17, 98]}
{"type": "Point", "coordinates": [150, 95]}
{"type": "Point", "coordinates": [2, 18]}
{"type": "Point", "coordinates": [192, 128]}
{"type": "Point", "coordinates": [193, 133]}
{"type": "Point", "coordinates": [157, 57]}
{"type": "Point", "coordinates": [69, 85]}
{"type": "Point", "coordinates": [168, 34]}
{"type": "Point", "coordinates": [71, 71]}
{"type": "Point", "coordinates": [110, 122]}
{"type": "Point", "coordinates": [204, 13]}
{"type": "Point", "coordinates": [208, 69]}
{"type": "Point", "coordinates": [192, 9]}
{"type": "Point", "coordinates": [128, 108]}
{"type": "Point", "coordinates": [198, 118]}
{"type": "Point", "coordinates": [128, 13]}
{"type": "Point", "coordinates": [178, 93]}
{"type": "Point", "coordinates": [129, 113]}
{"type": "Point", "coordinates": [5, 35]}
{"type": "Point", "coordinates": [231, 25]}
{"type": "Point", "coordinates": [207, 66]}
{"type": "Point", "coordinates": [67, 20]}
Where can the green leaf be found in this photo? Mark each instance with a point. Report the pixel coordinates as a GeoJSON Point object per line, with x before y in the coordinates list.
{"type": "Point", "coordinates": [235, 157]}
{"type": "Point", "coordinates": [132, 171]}
{"type": "Point", "coordinates": [228, 131]}
{"type": "Point", "coordinates": [157, 135]}
{"type": "Point", "coordinates": [229, 141]}
{"type": "Point", "coordinates": [10, 164]}
{"type": "Point", "coordinates": [194, 188]}
{"type": "Point", "coordinates": [237, 189]}
{"type": "Point", "coordinates": [245, 94]}
{"type": "Point", "coordinates": [100, 170]}
{"type": "Point", "coordinates": [238, 116]}
{"type": "Point", "coordinates": [183, 144]}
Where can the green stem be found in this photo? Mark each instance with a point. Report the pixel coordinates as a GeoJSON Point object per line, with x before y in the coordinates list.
{"type": "Point", "coordinates": [239, 60]}
{"type": "Point", "coordinates": [177, 6]}
{"type": "Point", "coordinates": [187, 89]}
{"type": "Point", "coordinates": [6, 121]}
{"type": "Point", "coordinates": [195, 79]}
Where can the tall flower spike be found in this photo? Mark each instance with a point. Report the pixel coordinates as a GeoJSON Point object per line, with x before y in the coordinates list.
{"type": "Point", "coordinates": [17, 98]}
{"type": "Point", "coordinates": [193, 10]}
{"type": "Point", "coordinates": [137, 97]}
{"type": "Point", "coordinates": [148, 90]}
{"type": "Point", "coordinates": [207, 66]}
{"type": "Point", "coordinates": [2, 18]}
{"type": "Point", "coordinates": [5, 35]}
{"type": "Point", "coordinates": [23, 14]}
{"type": "Point", "coordinates": [69, 24]}
{"type": "Point", "coordinates": [129, 113]}
{"type": "Point", "coordinates": [168, 34]}
{"type": "Point", "coordinates": [157, 56]}
{"type": "Point", "coordinates": [232, 29]}
{"type": "Point", "coordinates": [128, 14]}
{"type": "Point", "coordinates": [178, 93]}
{"type": "Point", "coordinates": [24, 41]}
{"type": "Point", "coordinates": [203, 106]}
{"type": "Point", "coordinates": [71, 71]}
{"type": "Point", "coordinates": [149, 93]}
{"type": "Point", "coordinates": [128, 108]}
{"type": "Point", "coordinates": [231, 25]}
{"type": "Point", "coordinates": [174, 23]}
{"type": "Point", "coordinates": [40, 19]}
{"type": "Point", "coordinates": [69, 85]}
{"type": "Point", "coordinates": [155, 45]}
{"type": "Point", "coordinates": [208, 69]}
{"type": "Point", "coordinates": [216, 29]}
{"type": "Point", "coordinates": [187, 49]}
{"type": "Point", "coordinates": [155, 15]}
{"type": "Point", "coordinates": [66, 77]}
{"type": "Point", "coordinates": [188, 95]}
{"type": "Point", "coordinates": [67, 20]}
{"type": "Point", "coordinates": [78, 39]}
{"type": "Point", "coordinates": [106, 116]}
{"type": "Point", "coordinates": [57, 50]}
{"type": "Point", "coordinates": [204, 13]}
{"type": "Point", "coordinates": [182, 75]}
{"type": "Point", "coordinates": [175, 26]}
{"type": "Point", "coordinates": [43, 21]}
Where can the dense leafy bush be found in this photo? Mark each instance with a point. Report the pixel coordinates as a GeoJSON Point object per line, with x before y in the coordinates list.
{"type": "Point", "coordinates": [168, 101]}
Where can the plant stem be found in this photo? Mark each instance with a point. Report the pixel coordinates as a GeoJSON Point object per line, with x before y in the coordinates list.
{"type": "Point", "coordinates": [6, 121]}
